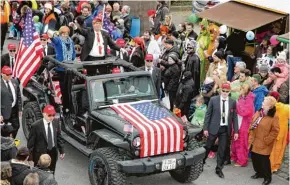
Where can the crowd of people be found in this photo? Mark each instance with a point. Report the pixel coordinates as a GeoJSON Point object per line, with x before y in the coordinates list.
{"type": "Point", "coordinates": [206, 76]}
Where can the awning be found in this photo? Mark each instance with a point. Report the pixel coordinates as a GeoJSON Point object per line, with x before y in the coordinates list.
{"type": "Point", "coordinates": [284, 38]}
{"type": "Point", "coordinates": [240, 16]}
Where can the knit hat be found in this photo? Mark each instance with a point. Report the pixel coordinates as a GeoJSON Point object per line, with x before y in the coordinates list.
{"type": "Point", "coordinates": [264, 68]}
{"type": "Point", "coordinates": [48, 6]}
{"type": "Point", "coordinates": [257, 77]}
{"type": "Point", "coordinates": [275, 94]}
{"type": "Point", "coordinates": [282, 56]}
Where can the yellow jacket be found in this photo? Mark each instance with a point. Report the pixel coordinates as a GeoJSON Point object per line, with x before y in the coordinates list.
{"type": "Point", "coordinates": [4, 13]}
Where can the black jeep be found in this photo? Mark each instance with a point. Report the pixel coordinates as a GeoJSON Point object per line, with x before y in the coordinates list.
{"type": "Point", "coordinates": [114, 119]}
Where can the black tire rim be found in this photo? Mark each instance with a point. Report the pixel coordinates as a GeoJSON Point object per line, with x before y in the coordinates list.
{"type": "Point", "coordinates": [29, 119]}
{"type": "Point", "coordinates": [100, 173]}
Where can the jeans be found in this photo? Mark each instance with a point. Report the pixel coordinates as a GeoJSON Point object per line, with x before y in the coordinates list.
{"type": "Point", "coordinates": [231, 61]}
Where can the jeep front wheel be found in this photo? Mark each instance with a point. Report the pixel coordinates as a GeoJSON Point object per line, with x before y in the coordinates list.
{"type": "Point", "coordinates": [189, 173]}
{"type": "Point", "coordinates": [31, 113]}
{"type": "Point", "coordinates": [103, 169]}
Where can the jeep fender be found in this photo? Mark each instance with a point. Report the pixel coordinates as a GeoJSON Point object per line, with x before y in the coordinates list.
{"type": "Point", "coordinates": [32, 94]}
{"type": "Point", "coordinates": [109, 137]}
{"type": "Point", "coordinates": [193, 132]}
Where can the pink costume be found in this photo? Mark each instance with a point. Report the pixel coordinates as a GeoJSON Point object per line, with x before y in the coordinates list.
{"type": "Point", "coordinates": [245, 112]}
{"type": "Point", "coordinates": [282, 77]}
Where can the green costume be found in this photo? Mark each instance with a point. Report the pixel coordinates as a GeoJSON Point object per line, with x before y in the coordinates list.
{"type": "Point", "coordinates": [203, 41]}
{"type": "Point", "coordinates": [198, 116]}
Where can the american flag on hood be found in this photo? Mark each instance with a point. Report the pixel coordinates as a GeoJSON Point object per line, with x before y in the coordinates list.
{"type": "Point", "coordinates": [30, 52]}
{"type": "Point", "coordinates": [159, 131]}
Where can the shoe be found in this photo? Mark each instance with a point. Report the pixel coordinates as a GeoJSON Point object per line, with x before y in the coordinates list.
{"type": "Point", "coordinates": [237, 165]}
{"type": "Point", "coordinates": [220, 174]}
{"type": "Point", "coordinates": [256, 176]}
{"type": "Point", "coordinates": [266, 182]}
{"type": "Point", "coordinates": [211, 155]}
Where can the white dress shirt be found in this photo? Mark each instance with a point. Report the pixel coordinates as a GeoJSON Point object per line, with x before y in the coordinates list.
{"type": "Point", "coordinates": [95, 50]}
{"type": "Point", "coordinates": [46, 130]}
{"type": "Point", "coordinates": [12, 61]}
{"type": "Point", "coordinates": [45, 50]}
{"type": "Point", "coordinates": [150, 69]}
{"type": "Point", "coordinates": [226, 111]}
{"type": "Point", "coordinates": [12, 90]}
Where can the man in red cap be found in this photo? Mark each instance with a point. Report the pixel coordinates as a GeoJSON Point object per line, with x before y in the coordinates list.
{"type": "Point", "coordinates": [45, 137]}
{"type": "Point", "coordinates": [155, 72]}
{"type": "Point", "coordinates": [11, 104]}
{"type": "Point", "coordinates": [47, 49]}
{"type": "Point", "coordinates": [97, 41]}
{"type": "Point", "coordinates": [9, 58]}
{"type": "Point", "coordinates": [219, 120]}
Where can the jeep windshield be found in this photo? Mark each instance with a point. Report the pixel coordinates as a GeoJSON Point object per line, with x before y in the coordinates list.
{"type": "Point", "coordinates": [121, 90]}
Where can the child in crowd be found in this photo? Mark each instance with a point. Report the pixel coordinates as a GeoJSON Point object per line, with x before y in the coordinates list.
{"type": "Point", "coordinates": [199, 114]}
{"type": "Point", "coordinates": [38, 25]}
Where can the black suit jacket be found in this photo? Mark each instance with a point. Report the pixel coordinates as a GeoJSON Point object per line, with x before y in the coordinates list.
{"type": "Point", "coordinates": [89, 34]}
{"type": "Point", "coordinates": [37, 141]}
{"type": "Point", "coordinates": [7, 99]}
{"type": "Point", "coordinates": [213, 116]}
{"type": "Point", "coordinates": [50, 50]}
{"type": "Point", "coordinates": [156, 76]}
{"type": "Point", "coordinates": [5, 60]}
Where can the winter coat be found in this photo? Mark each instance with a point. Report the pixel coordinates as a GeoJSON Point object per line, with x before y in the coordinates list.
{"type": "Point", "coordinates": [184, 94]}
{"type": "Point", "coordinates": [59, 51]}
{"type": "Point", "coordinates": [172, 51]}
{"type": "Point", "coordinates": [192, 64]}
{"type": "Point", "coordinates": [45, 177]}
{"type": "Point", "coordinates": [8, 149]}
{"type": "Point", "coordinates": [160, 17]}
{"type": "Point", "coordinates": [154, 50]}
{"type": "Point", "coordinates": [245, 112]}
{"type": "Point", "coordinates": [262, 138]}
{"type": "Point", "coordinates": [49, 22]}
{"type": "Point", "coordinates": [283, 91]}
{"type": "Point", "coordinates": [277, 154]}
{"type": "Point", "coordinates": [88, 21]}
{"type": "Point", "coordinates": [260, 93]}
{"type": "Point", "coordinates": [171, 77]}
{"type": "Point", "coordinates": [19, 171]}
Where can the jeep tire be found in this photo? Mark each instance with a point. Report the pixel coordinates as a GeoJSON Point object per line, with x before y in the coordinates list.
{"type": "Point", "coordinates": [31, 113]}
{"type": "Point", "coordinates": [189, 173]}
{"type": "Point", "coordinates": [103, 169]}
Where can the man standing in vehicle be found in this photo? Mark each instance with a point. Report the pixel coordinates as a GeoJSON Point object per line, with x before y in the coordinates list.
{"type": "Point", "coordinates": [11, 104]}
{"type": "Point", "coordinates": [45, 137]}
{"type": "Point", "coordinates": [97, 41]}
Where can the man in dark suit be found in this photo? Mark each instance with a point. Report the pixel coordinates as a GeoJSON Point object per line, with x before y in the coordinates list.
{"type": "Point", "coordinates": [47, 48]}
{"type": "Point", "coordinates": [155, 72]}
{"type": "Point", "coordinates": [97, 41]}
{"type": "Point", "coordinates": [11, 104]}
{"type": "Point", "coordinates": [45, 137]}
{"type": "Point", "coordinates": [9, 58]}
{"type": "Point", "coordinates": [219, 119]}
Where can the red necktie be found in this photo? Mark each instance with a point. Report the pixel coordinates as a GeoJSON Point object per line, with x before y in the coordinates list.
{"type": "Point", "coordinates": [99, 41]}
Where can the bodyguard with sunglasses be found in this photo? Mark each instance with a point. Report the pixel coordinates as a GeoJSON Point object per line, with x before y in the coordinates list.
{"type": "Point", "coordinates": [219, 119]}
{"type": "Point", "coordinates": [9, 58]}
{"type": "Point", "coordinates": [45, 138]}
{"type": "Point", "coordinates": [11, 104]}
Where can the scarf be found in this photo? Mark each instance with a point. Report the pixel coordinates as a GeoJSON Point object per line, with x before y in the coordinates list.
{"type": "Point", "coordinates": [258, 120]}
{"type": "Point", "coordinates": [67, 49]}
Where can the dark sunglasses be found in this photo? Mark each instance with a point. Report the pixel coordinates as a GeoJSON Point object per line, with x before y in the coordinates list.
{"type": "Point", "coordinates": [12, 50]}
{"type": "Point", "coordinates": [43, 39]}
{"type": "Point", "coordinates": [226, 91]}
{"type": "Point", "coordinates": [149, 60]}
{"type": "Point", "coordinates": [8, 74]}
{"type": "Point", "coordinates": [51, 115]}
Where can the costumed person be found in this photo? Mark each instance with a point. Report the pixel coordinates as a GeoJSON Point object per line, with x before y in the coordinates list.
{"type": "Point", "coordinates": [203, 41]}
{"type": "Point", "coordinates": [138, 52]}
{"type": "Point", "coordinates": [280, 144]}
{"type": "Point", "coordinates": [162, 37]}
{"type": "Point", "coordinates": [263, 133]}
{"type": "Point", "coordinates": [267, 58]}
{"type": "Point", "coordinates": [192, 64]}
{"type": "Point", "coordinates": [245, 112]}
{"type": "Point", "coordinates": [5, 18]}
{"type": "Point", "coordinates": [49, 19]}
{"type": "Point", "coordinates": [284, 67]}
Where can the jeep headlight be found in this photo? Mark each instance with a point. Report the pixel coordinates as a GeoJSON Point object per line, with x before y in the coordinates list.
{"type": "Point", "coordinates": [136, 142]}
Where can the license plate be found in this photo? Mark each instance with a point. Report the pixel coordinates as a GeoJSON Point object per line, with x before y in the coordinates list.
{"type": "Point", "coordinates": [168, 164]}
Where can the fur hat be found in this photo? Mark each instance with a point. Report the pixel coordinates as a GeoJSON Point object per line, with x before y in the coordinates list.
{"type": "Point", "coordinates": [282, 56]}
{"type": "Point", "coordinates": [48, 6]}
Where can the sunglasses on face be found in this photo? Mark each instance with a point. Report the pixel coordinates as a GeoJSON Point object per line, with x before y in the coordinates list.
{"type": "Point", "coordinates": [51, 115]}
{"type": "Point", "coordinates": [8, 74]}
{"type": "Point", "coordinates": [12, 50]}
{"type": "Point", "coordinates": [225, 91]}
{"type": "Point", "coordinates": [43, 39]}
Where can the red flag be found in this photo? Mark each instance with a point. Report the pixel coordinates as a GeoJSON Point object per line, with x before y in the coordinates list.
{"type": "Point", "coordinates": [30, 52]}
